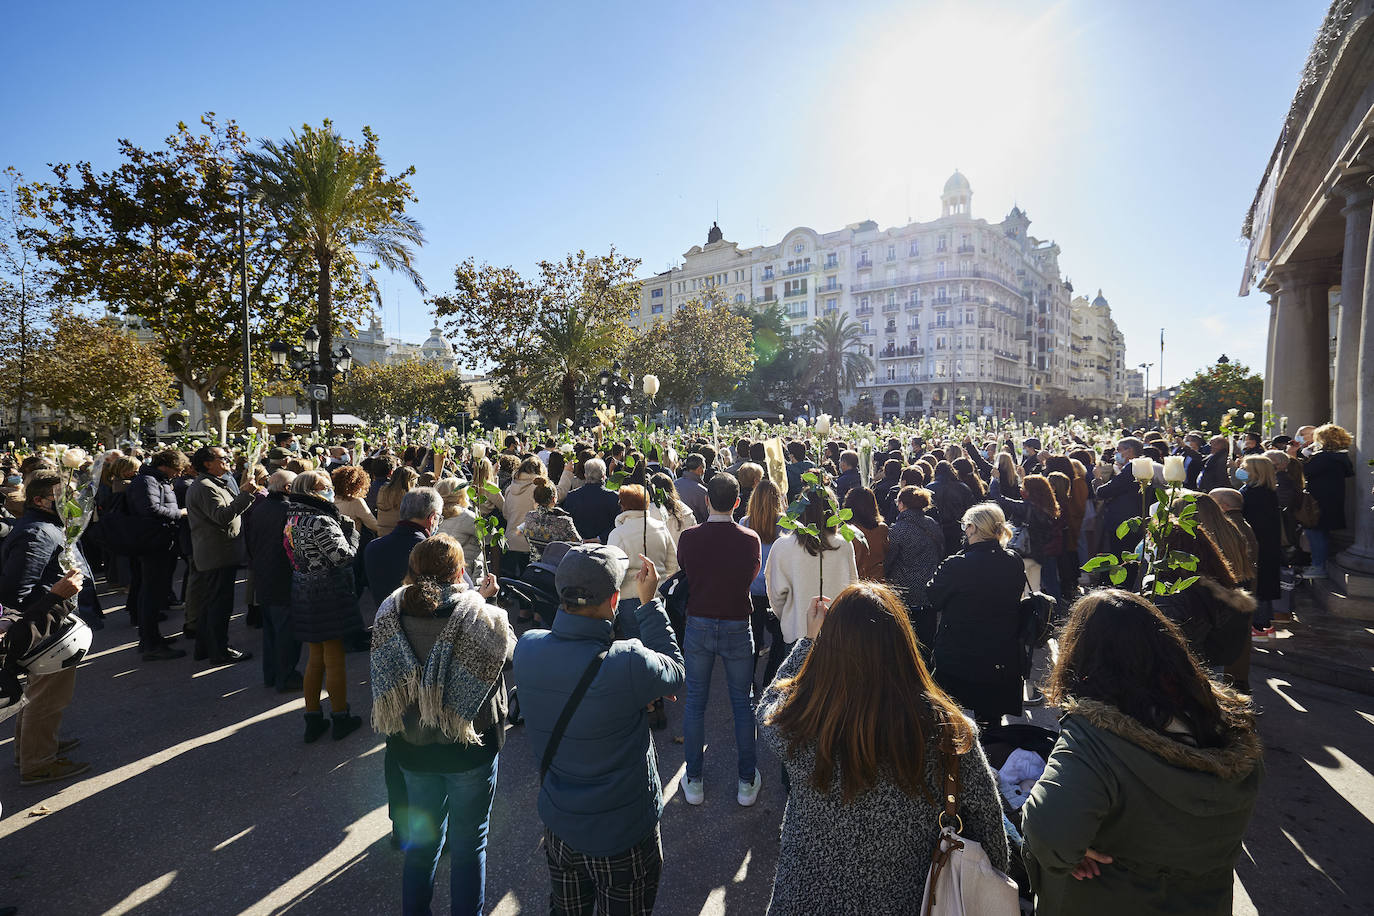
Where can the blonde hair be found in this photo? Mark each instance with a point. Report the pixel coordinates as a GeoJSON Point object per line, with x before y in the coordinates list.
{"type": "Point", "coordinates": [749, 475]}
{"type": "Point", "coordinates": [402, 481]}
{"type": "Point", "coordinates": [1260, 469]}
{"type": "Point", "coordinates": [1333, 438]}
{"type": "Point", "coordinates": [455, 494]}
{"type": "Point", "coordinates": [988, 522]}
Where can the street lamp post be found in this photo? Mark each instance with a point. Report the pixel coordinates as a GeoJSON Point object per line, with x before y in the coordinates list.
{"type": "Point", "coordinates": [1149, 399]}
{"type": "Point", "coordinates": [304, 363]}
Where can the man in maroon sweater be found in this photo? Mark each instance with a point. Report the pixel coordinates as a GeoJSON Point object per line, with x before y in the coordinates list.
{"type": "Point", "coordinates": [720, 560]}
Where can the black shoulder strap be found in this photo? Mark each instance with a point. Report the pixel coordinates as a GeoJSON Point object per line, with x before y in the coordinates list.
{"type": "Point", "coordinates": [556, 737]}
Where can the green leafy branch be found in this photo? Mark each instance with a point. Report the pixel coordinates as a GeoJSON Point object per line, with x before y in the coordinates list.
{"type": "Point", "coordinates": [1153, 554]}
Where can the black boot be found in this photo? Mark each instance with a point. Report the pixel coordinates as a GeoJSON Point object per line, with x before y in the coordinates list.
{"type": "Point", "coordinates": [315, 726]}
{"type": "Point", "coordinates": [345, 724]}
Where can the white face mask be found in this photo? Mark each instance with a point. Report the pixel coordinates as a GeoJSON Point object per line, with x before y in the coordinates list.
{"type": "Point", "coordinates": [1299, 439]}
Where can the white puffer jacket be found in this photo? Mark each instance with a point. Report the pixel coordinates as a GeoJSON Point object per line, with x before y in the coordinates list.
{"type": "Point", "coordinates": [657, 544]}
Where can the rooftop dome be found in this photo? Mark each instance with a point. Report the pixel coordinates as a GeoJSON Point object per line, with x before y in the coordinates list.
{"type": "Point", "coordinates": [957, 182]}
{"type": "Point", "coordinates": [437, 344]}
{"type": "Point", "coordinates": [1100, 300]}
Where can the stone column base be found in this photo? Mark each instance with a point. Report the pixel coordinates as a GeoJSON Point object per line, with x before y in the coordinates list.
{"type": "Point", "coordinates": [1347, 592]}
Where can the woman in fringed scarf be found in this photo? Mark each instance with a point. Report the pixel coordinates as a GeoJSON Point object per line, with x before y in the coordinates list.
{"type": "Point", "coordinates": [438, 650]}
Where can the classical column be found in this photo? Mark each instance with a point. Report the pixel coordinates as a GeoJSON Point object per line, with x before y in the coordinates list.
{"type": "Point", "coordinates": [1359, 557]}
{"type": "Point", "coordinates": [1272, 297]}
{"type": "Point", "coordinates": [1302, 382]}
{"type": "Point", "coordinates": [1358, 197]}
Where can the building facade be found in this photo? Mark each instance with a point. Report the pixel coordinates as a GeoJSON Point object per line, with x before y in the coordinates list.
{"type": "Point", "coordinates": [1309, 228]}
{"type": "Point", "coordinates": [958, 314]}
{"type": "Point", "coordinates": [1097, 356]}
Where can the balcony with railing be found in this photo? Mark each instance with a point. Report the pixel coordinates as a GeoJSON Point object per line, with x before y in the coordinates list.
{"type": "Point", "coordinates": [832, 288]}
{"type": "Point", "coordinates": [768, 274]}
{"type": "Point", "coordinates": [793, 293]}
{"type": "Point", "coordinates": [889, 307]}
{"type": "Point", "coordinates": [864, 262]}
{"type": "Point", "coordinates": [966, 249]}
{"type": "Point", "coordinates": [797, 311]}
{"type": "Point", "coordinates": [768, 298]}
{"type": "Point", "coordinates": [884, 283]}
{"type": "Point", "coordinates": [863, 311]}
{"type": "Point", "coordinates": [832, 263]}
{"type": "Point", "coordinates": [939, 325]}
{"type": "Point", "coordinates": [941, 300]}
{"type": "Point", "coordinates": [901, 352]}
{"type": "Point", "coordinates": [798, 269]}
{"type": "Point", "coordinates": [999, 353]}
{"type": "Point", "coordinates": [913, 305]}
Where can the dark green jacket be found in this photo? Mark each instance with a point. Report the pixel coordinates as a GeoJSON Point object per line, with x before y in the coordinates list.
{"type": "Point", "coordinates": [1172, 817]}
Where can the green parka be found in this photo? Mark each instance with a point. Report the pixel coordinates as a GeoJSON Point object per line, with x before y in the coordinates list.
{"type": "Point", "coordinates": [1171, 815]}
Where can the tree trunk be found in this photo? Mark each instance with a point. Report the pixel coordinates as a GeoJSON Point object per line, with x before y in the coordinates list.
{"type": "Point", "coordinates": [569, 386]}
{"type": "Point", "coordinates": [325, 322]}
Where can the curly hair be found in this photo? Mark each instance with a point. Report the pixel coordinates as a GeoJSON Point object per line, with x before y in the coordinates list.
{"type": "Point", "coordinates": [350, 481]}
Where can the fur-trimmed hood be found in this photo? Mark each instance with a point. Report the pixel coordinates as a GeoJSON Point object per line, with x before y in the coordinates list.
{"type": "Point", "coordinates": [1232, 763]}
{"type": "Point", "coordinates": [1237, 599]}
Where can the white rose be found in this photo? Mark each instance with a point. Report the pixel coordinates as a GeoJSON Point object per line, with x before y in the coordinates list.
{"type": "Point", "coordinates": [252, 430]}
{"type": "Point", "coordinates": [1249, 415]}
{"type": "Point", "coordinates": [73, 458]}
{"type": "Point", "coordinates": [650, 383]}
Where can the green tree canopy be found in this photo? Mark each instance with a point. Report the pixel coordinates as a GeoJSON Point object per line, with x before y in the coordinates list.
{"type": "Point", "coordinates": [329, 201]}
{"type": "Point", "coordinates": [155, 239]}
{"type": "Point", "coordinates": [700, 353]}
{"type": "Point", "coordinates": [543, 337]}
{"type": "Point", "coordinates": [1216, 389]}
{"type": "Point", "coordinates": [837, 358]}
{"type": "Point", "coordinates": [415, 389]}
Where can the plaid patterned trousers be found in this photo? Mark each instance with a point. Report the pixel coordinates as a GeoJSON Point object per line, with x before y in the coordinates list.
{"type": "Point", "coordinates": [624, 884]}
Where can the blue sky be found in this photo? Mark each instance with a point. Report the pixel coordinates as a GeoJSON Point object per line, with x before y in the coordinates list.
{"type": "Point", "coordinates": [1133, 133]}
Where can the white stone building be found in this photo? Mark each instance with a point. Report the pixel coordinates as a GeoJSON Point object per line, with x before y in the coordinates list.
{"type": "Point", "coordinates": [958, 314]}
{"type": "Point", "coordinates": [1097, 355]}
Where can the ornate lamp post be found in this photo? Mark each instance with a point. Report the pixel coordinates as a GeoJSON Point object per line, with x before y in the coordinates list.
{"type": "Point", "coordinates": [304, 363]}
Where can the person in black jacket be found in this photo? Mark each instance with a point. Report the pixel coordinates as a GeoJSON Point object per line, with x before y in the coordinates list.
{"type": "Point", "coordinates": [849, 476]}
{"type": "Point", "coordinates": [887, 488]}
{"type": "Point", "coordinates": [1215, 467]}
{"type": "Point", "coordinates": [1120, 496]}
{"type": "Point", "coordinates": [1030, 456]}
{"type": "Point", "coordinates": [978, 594]}
{"type": "Point", "coordinates": [1261, 508]}
{"type": "Point", "coordinates": [263, 526]}
{"type": "Point", "coordinates": [153, 501]}
{"type": "Point", "coordinates": [1326, 473]}
{"type": "Point", "coordinates": [952, 498]}
{"type": "Point", "coordinates": [30, 566]}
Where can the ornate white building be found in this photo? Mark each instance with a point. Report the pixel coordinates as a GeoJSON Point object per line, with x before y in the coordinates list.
{"type": "Point", "coordinates": [1097, 355]}
{"type": "Point", "coordinates": [958, 314]}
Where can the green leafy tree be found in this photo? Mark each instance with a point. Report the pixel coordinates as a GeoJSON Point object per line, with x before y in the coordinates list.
{"type": "Point", "coordinates": [777, 382]}
{"type": "Point", "coordinates": [417, 389]}
{"type": "Point", "coordinates": [156, 240]}
{"type": "Point", "coordinates": [331, 201]}
{"type": "Point", "coordinates": [837, 358]}
{"type": "Point", "coordinates": [700, 354]}
{"type": "Point", "coordinates": [494, 413]}
{"type": "Point", "coordinates": [544, 337]}
{"type": "Point", "coordinates": [1217, 389]}
{"type": "Point", "coordinates": [93, 370]}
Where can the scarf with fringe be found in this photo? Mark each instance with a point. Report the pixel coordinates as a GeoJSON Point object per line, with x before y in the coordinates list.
{"type": "Point", "coordinates": [450, 686]}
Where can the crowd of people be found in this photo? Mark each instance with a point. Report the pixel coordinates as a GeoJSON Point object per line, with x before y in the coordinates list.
{"type": "Point", "coordinates": [664, 560]}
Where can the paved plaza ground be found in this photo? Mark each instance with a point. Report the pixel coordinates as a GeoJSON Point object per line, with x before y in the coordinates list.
{"type": "Point", "coordinates": [203, 799]}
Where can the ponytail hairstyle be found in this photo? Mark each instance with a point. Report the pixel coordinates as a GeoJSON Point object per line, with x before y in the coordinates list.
{"type": "Point", "coordinates": [435, 564]}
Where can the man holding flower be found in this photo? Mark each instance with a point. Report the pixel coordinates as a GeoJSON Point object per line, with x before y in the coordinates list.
{"type": "Point", "coordinates": [214, 511]}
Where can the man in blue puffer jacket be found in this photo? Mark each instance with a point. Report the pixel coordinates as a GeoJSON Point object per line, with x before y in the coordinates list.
{"type": "Point", "coordinates": [601, 798]}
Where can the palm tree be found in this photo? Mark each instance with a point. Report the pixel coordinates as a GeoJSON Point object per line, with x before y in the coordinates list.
{"type": "Point", "coordinates": [332, 200]}
{"type": "Point", "coordinates": [837, 359]}
{"type": "Point", "coordinates": [575, 346]}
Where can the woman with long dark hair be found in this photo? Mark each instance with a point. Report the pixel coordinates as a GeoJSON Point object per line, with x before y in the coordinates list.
{"type": "Point", "coordinates": [801, 566]}
{"type": "Point", "coordinates": [871, 551]}
{"type": "Point", "coordinates": [915, 547]}
{"type": "Point", "coordinates": [866, 760]}
{"type": "Point", "coordinates": [952, 498]}
{"type": "Point", "coordinates": [1040, 511]}
{"type": "Point", "coordinates": [1154, 774]}
{"type": "Point", "coordinates": [969, 477]}
{"type": "Point", "coordinates": [766, 506]}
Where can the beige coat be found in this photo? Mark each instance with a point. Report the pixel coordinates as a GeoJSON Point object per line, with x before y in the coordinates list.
{"type": "Point", "coordinates": [519, 500]}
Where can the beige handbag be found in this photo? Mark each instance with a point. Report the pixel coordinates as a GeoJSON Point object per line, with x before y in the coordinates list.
{"type": "Point", "coordinates": [962, 880]}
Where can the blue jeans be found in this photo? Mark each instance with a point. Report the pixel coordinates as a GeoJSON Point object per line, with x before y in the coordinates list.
{"type": "Point", "coordinates": [733, 641]}
{"type": "Point", "coordinates": [440, 803]}
{"type": "Point", "coordinates": [1320, 542]}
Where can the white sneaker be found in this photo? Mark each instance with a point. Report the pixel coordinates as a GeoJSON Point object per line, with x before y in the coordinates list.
{"type": "Point", "coordinates": [693, 790]}
{"type": "Point", "coordinates": [749, 791]}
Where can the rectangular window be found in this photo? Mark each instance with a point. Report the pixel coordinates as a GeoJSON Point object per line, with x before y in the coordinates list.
{"type": "Point", "coordinates": [892, 252]}
{"type": "Point", "coordinates": [657, 308]}
{"type": "Point", "coordinates": [656, 294]}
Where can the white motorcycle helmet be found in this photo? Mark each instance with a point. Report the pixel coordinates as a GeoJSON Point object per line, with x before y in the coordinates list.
{"type": "Point", "coordinates": [63, 649]}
